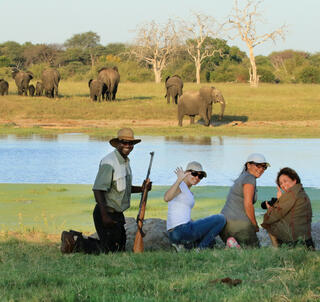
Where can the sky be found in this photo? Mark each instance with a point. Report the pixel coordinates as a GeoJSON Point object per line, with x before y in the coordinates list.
{"type": "Point", "coordinates": [49, 22]}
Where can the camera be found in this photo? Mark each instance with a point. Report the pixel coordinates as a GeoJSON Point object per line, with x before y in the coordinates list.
{"type": "Point", "coordinates": [270, 202]}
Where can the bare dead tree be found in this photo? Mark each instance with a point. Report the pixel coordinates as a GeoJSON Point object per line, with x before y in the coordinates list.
{"type": "Point", "coordinates": [197, 36]}
{"type": "Point", "coordinates": [244, 21]}
{"type": "Point", "coordinates": [155, 44]}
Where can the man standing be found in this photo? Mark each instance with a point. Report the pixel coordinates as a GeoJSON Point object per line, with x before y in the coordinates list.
{"type": "Point", "coordinates": [112, 191]}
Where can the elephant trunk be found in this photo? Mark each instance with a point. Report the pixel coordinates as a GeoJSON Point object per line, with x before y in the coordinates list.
{"type": "Point", "coordinates": [209, 114]}
{"type": "Point", "coordinates": [223, 106]}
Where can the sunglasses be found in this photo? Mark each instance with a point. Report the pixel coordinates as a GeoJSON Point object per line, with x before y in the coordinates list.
{"type": "Point", "coordinates": [263, 166]}
{"type": "Point", "coordinates": [195, 174]}
{"type": "Point", "coordinates": [124, 142]}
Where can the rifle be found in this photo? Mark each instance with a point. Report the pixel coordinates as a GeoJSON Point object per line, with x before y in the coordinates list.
{"type": "Point", "coordinates": [138, 242]}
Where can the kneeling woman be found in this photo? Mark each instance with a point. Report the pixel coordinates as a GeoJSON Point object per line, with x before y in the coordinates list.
{"type": "Point", "coordinates": [182, 230]}
{"type": "Point", "coordinates": [239, 207]}
{"type": "Point", "coordinates": [289, 219]}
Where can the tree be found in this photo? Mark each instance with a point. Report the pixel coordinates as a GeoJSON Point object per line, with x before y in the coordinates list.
{"type": "Point", "coordinates": [14, 52]}
{"type": "Point", "coordinates": [154, 45]}
{"type": "Point", "coordinates": [201, 39]}
{"type": "Point", "coordinates": [87, 42]}
{"type": "Point", "coordinates": [244, 21]}
{"type": "Point", "coordinates": [41, 53]}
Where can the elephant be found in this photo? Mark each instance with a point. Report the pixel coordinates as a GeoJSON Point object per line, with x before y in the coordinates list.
{"type": "Point", "coordinates": [39, 89]}
{"type": "Point", "coordinates": [200, 102]}
{"type": "Point", "coordinates": [174, 87]}
{"type": "Point", "coordinates": [111, 77]}
{"type": "Point", "coordinates": [31, 90]}
{"type": "Point", "coordinates": [4, 87]}
{"type": "Point", "coordinates": [22, 80]}
{"type": "Point", "coordinates": [97, 89]}
{"type": "Point", "coordinates": [50, 81]}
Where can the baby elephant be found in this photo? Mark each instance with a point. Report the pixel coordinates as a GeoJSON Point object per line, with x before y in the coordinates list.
{"type": "Point", "coordinates": [97, 89]}
{"type": "Point", "coordinates": [200, 102]}
{"type": "Point", "coordinates": [31, 90]}
{"type": "Point", "coordinates": [4, 87]}
{"type": "Point", "coordinates": [39, 89]}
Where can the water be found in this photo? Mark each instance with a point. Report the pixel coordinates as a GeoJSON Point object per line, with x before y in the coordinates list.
{"type": "Point", "coordinates": [74, 158]}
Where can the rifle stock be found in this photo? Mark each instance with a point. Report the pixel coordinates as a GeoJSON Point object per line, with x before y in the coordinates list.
{"type": "Point", "coordinates": [138, 246]}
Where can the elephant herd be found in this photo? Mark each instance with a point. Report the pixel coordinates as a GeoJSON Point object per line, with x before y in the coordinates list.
{"type": "Point", "coordinates": [106, 85]}
{"type": "Point", "coordinates": [48, 86]}
{"type": "Point", "coordinates": [190, 103]}
{"type": "Point", "coordinates": [193, 103]}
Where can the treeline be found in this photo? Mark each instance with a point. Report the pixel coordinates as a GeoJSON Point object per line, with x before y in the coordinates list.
{"type": "Point", "coordinates": [81, 56]}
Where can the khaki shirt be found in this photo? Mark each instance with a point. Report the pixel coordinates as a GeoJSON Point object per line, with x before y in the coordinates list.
{"type": "Point", "coordinates": [119, 201]}
{"type": "Point", "coordinates": [290, 217]}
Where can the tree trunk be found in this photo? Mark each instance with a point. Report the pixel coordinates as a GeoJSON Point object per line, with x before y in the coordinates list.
{"type": "Point", "coordinates": [254, 79]}
{"type": "Point", "coordinates": [198, 66]}
{"type": "Point", "coordinates": [198, 69]}
{"type": "Point", "coordinates": [157, 74]}
{"type": "Point", "coordinates": [92, 59]}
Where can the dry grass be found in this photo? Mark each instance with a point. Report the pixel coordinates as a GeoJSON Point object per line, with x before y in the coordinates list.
{"type": "Point", "coordinates": [270, 110]}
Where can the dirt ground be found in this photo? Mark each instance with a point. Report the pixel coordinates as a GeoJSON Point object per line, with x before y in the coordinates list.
{"type": "Point", "coordinates": [78, 124]}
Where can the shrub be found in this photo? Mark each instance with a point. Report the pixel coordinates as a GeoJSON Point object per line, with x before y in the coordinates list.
{"type": "Point", "coordinates": [74, 70]}
{"type": "Point", "coordinates": [310, 74]}
{"type": "Point", "coordinates": [5, 73]}
{"type": "Point", "coordinates": [266, 75]}
{"type": "Point", "coordinates": [4, 61]}
{"type": "Point", "coordinates": [230, 73]}
{"type": "Point", "coordinates": [37, 70]}
{"type": "Point", "coordinates": [187, 72]}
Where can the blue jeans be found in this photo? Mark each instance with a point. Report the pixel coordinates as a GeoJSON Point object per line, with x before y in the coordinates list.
{"type": "Point", "coordinates": [200, 233]}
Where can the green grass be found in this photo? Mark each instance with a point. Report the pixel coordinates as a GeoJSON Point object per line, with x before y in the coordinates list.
{"type": "Point", "coordinates": [286, 110]}
{"type": "Point", "coordinates": [33, 269]}
{"type": "Point", "coordinates": [52, 208]}
{"type": "Point", "coordinates": [38, 272]}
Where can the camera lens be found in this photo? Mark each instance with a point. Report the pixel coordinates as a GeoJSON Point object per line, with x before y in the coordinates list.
{"type": "Point", "coordinates": [264, 205]}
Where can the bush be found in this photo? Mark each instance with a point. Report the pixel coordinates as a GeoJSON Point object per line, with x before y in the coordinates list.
{"type": "Point", "coordinates": [4, 61]}
{"type": "Point", "coordinates": [74, 70]}
{"type": "Point", "coordinates": [310, 74]}
{"type": "Point", "coordinates": [230, 73]}
{"type": "Point", "coordinates": [266, 75]}
{"type": "Point", "coordinates": [37, 70]}
{"type": "Point", "coordinates": [187, 72]}
{"type": "Point", "coordinates": [5, 73]}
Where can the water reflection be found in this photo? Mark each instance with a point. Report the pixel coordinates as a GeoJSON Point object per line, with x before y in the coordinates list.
{"type": "Point", "coordinates": [195, 140]}
{"type": "Point", "coordinates": [74, 158]}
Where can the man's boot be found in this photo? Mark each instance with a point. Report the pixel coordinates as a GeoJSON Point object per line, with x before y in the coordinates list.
{"type": "Point", "coordinates": [67, 242]}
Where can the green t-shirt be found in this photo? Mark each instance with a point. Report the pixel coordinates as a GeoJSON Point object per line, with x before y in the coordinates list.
{"type": "Point", "coordinates": [118, 200]}
{"type": "Point", "coordinates": [234, 207]}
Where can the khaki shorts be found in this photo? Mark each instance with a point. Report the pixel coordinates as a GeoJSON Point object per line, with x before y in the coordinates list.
{"type": "Point", "coordinates": [243, 231]}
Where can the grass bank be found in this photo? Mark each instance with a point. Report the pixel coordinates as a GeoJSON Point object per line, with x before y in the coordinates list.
{"type": "Point", "coordinates": [33, 269]}
{"type": "Point", "coordinates": [52, 208]}
{"type": "Point", "coordinates": [269, 111]}
{"type": "Point", "coordinates": [36, 271]}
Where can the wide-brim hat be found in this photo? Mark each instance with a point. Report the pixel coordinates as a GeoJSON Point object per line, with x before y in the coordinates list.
{"type": "Point", "coordinates": [195, 166]}
{"type": "Point", "coordinates": [257, 158]}
{"type": "Point", "coordinates": [124, 134]}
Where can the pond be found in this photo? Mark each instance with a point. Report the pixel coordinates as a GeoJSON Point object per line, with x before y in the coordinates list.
{"type": "Point", "coordinates": [74, 158]}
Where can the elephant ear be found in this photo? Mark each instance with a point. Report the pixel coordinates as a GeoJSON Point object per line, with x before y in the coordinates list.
{"type": "Point", "coordinates": [14, 72]}
{"type": "Point", "coordinates": [218, 96]}
{"type": "Point", "coordinates": [30, 74]}
{"type": "Point", "coordinates": [206, 94]}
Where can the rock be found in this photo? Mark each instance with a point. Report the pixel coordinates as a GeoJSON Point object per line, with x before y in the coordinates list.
{"type": "Point", "coordinates": [315, 233]}
{"type": "Point", "coordinates": [156, 237]}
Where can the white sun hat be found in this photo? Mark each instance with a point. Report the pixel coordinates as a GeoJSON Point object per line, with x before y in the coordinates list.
{"type": "Point", "coordinates": [257, 158]}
